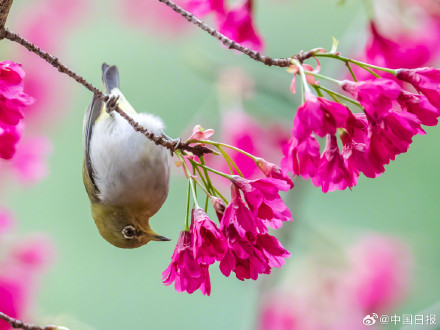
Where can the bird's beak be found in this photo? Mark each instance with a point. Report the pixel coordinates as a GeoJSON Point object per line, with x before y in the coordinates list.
{"type": "Point", "coordinates": [160, 238]}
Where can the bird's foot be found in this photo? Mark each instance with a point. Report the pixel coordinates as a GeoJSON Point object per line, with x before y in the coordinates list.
{"type": "Point", "coordinates": [111, 103]}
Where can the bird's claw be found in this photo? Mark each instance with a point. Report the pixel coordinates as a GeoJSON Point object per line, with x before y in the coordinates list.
{"type": "Point", "coordinates": [111, 103]}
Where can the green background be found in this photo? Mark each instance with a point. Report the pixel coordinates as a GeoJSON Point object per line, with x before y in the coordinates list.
{"type": "Point", "coordinates": [109, 288]}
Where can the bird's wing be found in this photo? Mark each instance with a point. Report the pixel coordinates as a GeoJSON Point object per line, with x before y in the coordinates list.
{"type": "Point", "coordinates": [110, 77]}
{"type": "Point", "coordinates": [93, 112]}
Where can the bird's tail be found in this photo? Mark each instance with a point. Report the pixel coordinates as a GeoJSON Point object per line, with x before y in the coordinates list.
{"type": "Point", "coordinates": [110, 77]}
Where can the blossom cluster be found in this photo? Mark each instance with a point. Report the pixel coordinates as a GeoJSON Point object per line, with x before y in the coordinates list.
{"type": "Point", "coordinates": [12, 101]}
{"type": "Point", "coordinates": [241, 243]}
{"type": "Point", "coordinates": [392, 115]}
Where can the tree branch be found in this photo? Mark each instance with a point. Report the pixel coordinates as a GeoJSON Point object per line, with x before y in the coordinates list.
{"type": "Point", "coordinates": [17, 324]}
{"type": "Point", "coordinates": [170, 144]}
{"type": "Point", "coordinates": [267, 60]}
{"type": "Point", "coordinates": [5, 5]}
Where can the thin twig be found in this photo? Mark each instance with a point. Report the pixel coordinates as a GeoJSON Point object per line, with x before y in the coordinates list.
{"type": "Point", "coordinates": [170, 144]}
{"type": "Point", "coordinates": [5, 5]}
{"type": "Point", "coordinates": [17, 324]}
{"type": "Point", "coordinates": [267, 60]}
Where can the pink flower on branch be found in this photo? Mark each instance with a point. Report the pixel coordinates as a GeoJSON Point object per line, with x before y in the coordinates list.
{"type": "Point", "coordinates": [238, 25]}
{"type": "Point", "coordinates": [209, 244]}
{"type": "Point", "coordinates": [376, 96]}
{"type": "Point", "coordinates": [402, 50]}
{"type": "Point", "coordinates": [420, 106]}
{"type": "Point", "coordinates": [301, 158]}
{"type": "Point", "coordinates": [425, 81]}
{"type": "Point", "coordinates": [12, 97]}
{"type": "Point", "coordinates": [333, 172]}
{"type": "Point", "coordinates": [318, 115]}
{"type": "Point", "coordinates": [273, 171]}
{"type": "Point", "coordinates": [252, 251]}
{"type": "Point", "coordinates": [262, 196]}
{"type": "Point", "coordinates": [186, 273]}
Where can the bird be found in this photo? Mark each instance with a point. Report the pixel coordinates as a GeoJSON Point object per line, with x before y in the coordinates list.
{"type": "Point", "coordinates": [125, 174]}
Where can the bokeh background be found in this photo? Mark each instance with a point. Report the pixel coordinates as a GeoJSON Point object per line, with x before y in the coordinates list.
{"type": "Point", "coordinates": [173, 73]}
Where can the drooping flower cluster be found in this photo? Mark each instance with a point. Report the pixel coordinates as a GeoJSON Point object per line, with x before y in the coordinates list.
{"type": "Point", "coordinates": [241, 243]}
{"type": "Point", "coordinates": [370, 277]}
{"type": "Point", "coordinates": [12, 101]}
{"type": "Point", "coordinates": [391, 117]}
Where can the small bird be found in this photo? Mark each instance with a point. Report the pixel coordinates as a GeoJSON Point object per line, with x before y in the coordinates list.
{"type": "Point", "coordinates": [125, 174]}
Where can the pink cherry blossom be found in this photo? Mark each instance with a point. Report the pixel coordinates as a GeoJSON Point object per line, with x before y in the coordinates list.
{"type": "Point", "coordinates": [9, 136]}
{"type": "Point", "coordinates": [204, 7]}
{"type": "Point", "coordinates": [251, 250]}
{"type": "Point", "coordinates": [271, 170]}
{"type": "Point", "coordinates": [376, 95]}
{"type": "Point", "coordinates": [402, 51]}
{"type": "Point", "coordinates": [392, 134]}
{"type": "Point", "coordinates": [238, 25]}
{"type": "Point", "coordinates": [186, 273]}
{"type": "Point", "coordinates": [262, 196]}
{"type": "Point", "coordinates": [333, 173]}
{"type": "Point", "coordinates": [356, 144]}
{"type": "Point", "coordinates": [199, 133]}
{"type": "Point", "coordinates": [318, 115]}
{"type": "Point", "coordinates": [420, 106]}
{"type": "Point", "coordinates": [12, 97]}
{"type": "Point", "coordinates": [219, 206]}
{"type": "Point", "coordinates": [425, 81]}
{"type": "Point", "coordinates": [209, 244]}
{"type": "Point", "coordinates": [301, 158]}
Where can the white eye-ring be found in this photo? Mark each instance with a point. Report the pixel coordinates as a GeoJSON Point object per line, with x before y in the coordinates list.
{"type": "Point", "coordinates": [129, 232]}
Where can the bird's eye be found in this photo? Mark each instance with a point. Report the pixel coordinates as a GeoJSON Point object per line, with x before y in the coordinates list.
{"type": "Point", "coordinates": [129, 232]}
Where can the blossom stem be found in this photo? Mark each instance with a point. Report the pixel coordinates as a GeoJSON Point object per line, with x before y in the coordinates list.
{"type": "Point", "coordinates": [227, 176]}
{"type": "Point", "coordinates": [306, 88]}
{"type": "Point", "coordinates": [333, 93]}
{"type": "Point", "coordinates": [347, 64]}
{"type": "Point", "coordinates": [190, 177]}
{"type": "Point", "coordinates": [221, 144]}
{"type": "Point", "coordinates": [188, 193]}
{"type": "Point", "coordinates": [358, 63]}
{"type": "Point", "coordinates": [208, 179]}
{"type": "Point", "coordinates": [317, 75]}
{"type": "Point", "coordinates": [229, 159]}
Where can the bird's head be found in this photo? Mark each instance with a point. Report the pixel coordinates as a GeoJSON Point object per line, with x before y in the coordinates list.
{"type": "Point", "coordinates": [126, 227]}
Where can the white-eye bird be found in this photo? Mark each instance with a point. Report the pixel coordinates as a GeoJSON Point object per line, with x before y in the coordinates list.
{"type": "Point", "coordinates": [125, 174]}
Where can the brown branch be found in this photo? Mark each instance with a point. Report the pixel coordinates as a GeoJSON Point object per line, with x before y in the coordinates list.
{"type": "Point", "coordinates": [267, 60]}
{"type": "Point", "coordinates": [5, 5]}
{"type": "Point", "coordinates": [17, 324]}
{"type": "Point", "coordinates": [170, 144]}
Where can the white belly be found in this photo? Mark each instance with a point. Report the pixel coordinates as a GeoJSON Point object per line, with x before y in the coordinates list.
{"type": "Point", "coordinates": [129, 168]}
